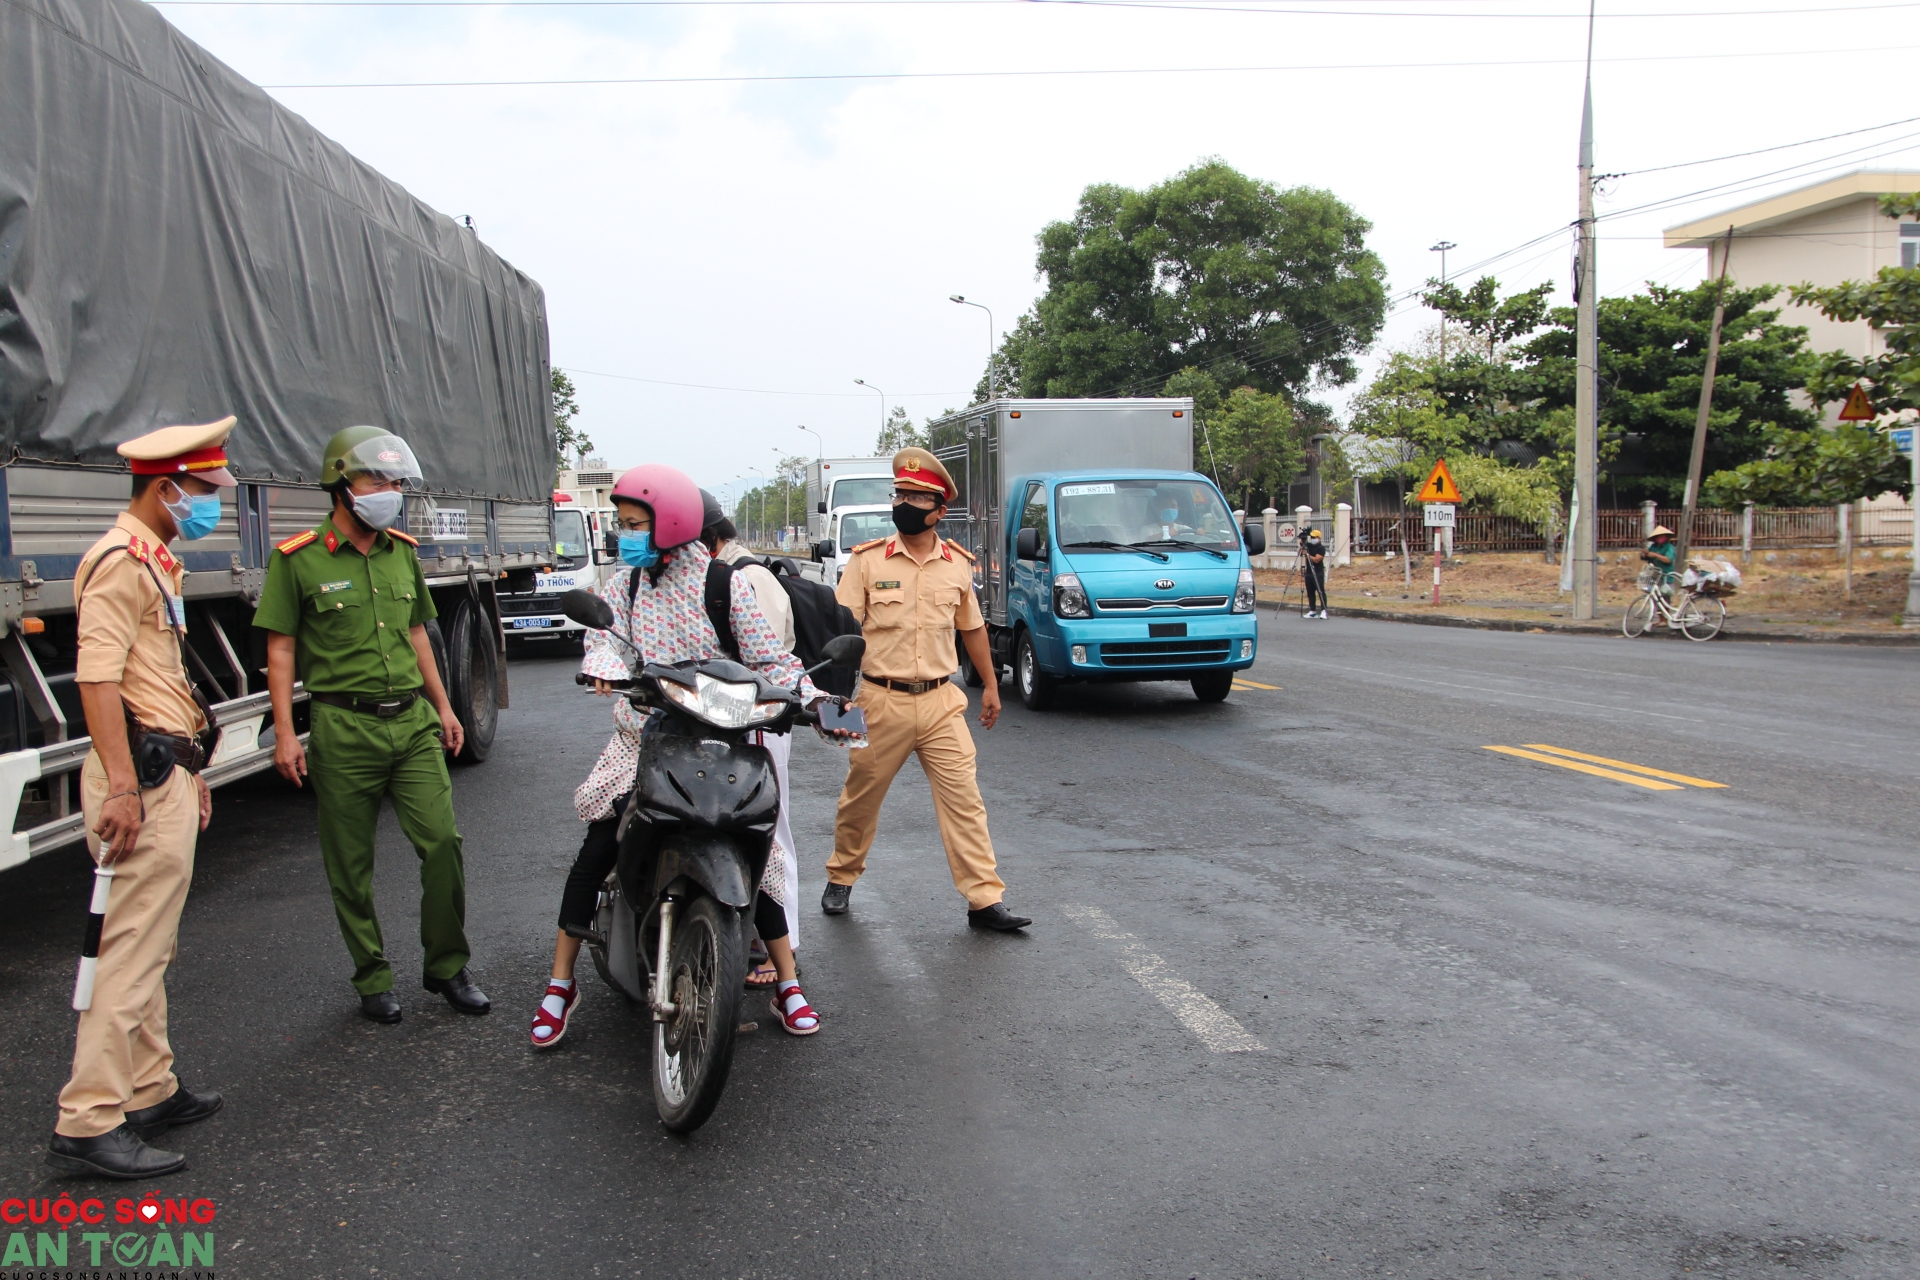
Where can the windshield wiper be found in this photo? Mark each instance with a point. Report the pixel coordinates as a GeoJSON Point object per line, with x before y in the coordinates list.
{"type": "Point", "coordinates": [1116, 546]}
{"type": "Point", "coordinates": [1178, 542]}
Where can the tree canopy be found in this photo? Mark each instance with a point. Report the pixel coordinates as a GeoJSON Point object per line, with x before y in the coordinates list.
{"type": "Point", "coordinates": [1260, 287]}
{"type": "Point", "coordinates": [571, 442]}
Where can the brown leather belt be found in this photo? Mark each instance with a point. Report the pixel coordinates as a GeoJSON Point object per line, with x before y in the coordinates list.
{"type": "Point", "coordinates": [905, 686]}
{"type": "Point", "coordinates": [385, 710]}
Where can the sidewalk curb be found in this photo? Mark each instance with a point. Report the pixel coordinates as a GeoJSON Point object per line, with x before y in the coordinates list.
{"type": "Point", "coordinates": [1894, 640]}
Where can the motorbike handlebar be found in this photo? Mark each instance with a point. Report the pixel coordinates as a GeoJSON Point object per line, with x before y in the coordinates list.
{"type": "Point", "coordinates": [581, 678]}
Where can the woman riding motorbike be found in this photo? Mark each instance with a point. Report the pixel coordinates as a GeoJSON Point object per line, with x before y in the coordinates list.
{"type": "Point", "coordinates": [660, 616]}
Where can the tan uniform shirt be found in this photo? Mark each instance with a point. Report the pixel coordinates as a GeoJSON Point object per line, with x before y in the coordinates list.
{"type": "Point", "coordinates": [125, 634]}
{"type": "Point", "coordinates": [909, 609]}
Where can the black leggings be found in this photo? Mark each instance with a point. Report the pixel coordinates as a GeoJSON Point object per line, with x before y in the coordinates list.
{"type": "Point", "coordinates": [1315, 577]}
{"type": "Point", "coordinates": [601, 849]}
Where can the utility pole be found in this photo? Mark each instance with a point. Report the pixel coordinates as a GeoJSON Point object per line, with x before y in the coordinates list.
{"type": "Point", "coordinates": [1441, 249]}
{"type": "Point", "coordinates": [1698, 461]}
{"type": "Point", "coordinates": [1586, 425]}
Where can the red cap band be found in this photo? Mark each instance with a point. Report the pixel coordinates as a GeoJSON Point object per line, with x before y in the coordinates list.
{"type": "Point", "coordinates": [194, 460]}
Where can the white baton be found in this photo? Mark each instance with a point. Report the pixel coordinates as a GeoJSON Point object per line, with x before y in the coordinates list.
{"type": "Point", "coordinates": [90, 948]}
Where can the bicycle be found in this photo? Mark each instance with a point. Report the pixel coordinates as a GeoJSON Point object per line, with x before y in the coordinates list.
{"type": "Point", "coordinates": [1699, 617]}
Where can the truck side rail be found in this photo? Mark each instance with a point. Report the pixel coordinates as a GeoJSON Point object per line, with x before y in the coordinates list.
{"type": "Point", "coordinates": [238, 754]}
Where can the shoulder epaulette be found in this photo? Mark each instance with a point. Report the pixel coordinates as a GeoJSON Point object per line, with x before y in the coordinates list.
{"type": "Point", "coordinates": [407, 538]}
{"type": "Point", "coordinates": [863, 546]}
{"type": "Point", "coordinates": [957, 547]}
{"type": "Point", "coordinates": [296, 542]}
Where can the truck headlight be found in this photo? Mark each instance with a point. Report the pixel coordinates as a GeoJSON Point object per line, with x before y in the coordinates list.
{"type": "Point", "coordinates": [1070, 598]}
{"type": "Point", "coordinates": [1243, 593]}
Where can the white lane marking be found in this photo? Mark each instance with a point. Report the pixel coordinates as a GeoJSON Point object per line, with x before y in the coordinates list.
{"type": "Point", "coordinates": [1213, 1025]}
{"type": "Point", "coordinates": [1478, 688]}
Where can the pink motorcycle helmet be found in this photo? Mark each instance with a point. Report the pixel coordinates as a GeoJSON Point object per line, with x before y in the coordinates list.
{"type": "Point", "coordinates": [674, 497]}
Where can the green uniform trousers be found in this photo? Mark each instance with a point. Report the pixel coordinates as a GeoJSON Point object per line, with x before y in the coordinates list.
{"type": "Point", "coordinates": [353, 759]}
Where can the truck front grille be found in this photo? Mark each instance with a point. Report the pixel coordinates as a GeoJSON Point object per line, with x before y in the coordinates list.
{"type": "Point", "coordinates": [520, 606]}
{"type": "Point", "coordinates": [1130, 604]}
{"type": "Point", "coordinates": [1164, 653]}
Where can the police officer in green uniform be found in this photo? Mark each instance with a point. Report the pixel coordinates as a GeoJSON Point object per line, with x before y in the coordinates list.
{"type": "Point", "coordinates": [347, 609]}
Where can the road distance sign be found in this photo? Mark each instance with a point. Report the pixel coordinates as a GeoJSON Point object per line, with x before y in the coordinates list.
{"type": "Point", "coordinates": [1439, 515]}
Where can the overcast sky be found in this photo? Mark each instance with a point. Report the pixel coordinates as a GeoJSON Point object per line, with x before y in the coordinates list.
{"type": "Point", "coordinates": [790, 236]}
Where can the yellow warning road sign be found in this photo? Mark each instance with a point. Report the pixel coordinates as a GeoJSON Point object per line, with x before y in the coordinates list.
{"type": "Point", "coordinates": [1858, 410]}
{"type": "Point", "coordinates": [1440, 486]}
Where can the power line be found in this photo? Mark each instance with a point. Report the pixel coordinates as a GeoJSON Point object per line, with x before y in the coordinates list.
{"type": "Point", "coordinates": [755, 391]}
{"type": "Point", "coordinates": [812, 77]}
{"type": "Point", "coordinates": [1741, 155]}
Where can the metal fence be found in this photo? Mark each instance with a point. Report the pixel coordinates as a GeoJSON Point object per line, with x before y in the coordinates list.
{"type": "Point", "coordinates": [1713, 527]}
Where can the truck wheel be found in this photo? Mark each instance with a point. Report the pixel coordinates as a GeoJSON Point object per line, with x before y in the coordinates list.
{"type": "Point", "coordinates": [1037, 688]}
{"type": "Point", "coordinates": [474, 689]}
{"type": "Point", "coordinates": [1213, 686]}
{"type": "Point", "coordinates": [968, 675]}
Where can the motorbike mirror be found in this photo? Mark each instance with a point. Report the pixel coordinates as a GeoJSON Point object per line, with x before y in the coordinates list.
{"type": "Point", "coordinates": [587, 609]}
{"type": "Point", "coordinates": [845, 651]}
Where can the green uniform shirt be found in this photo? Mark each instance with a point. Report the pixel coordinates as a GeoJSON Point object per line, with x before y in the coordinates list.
{"type": "Point", "coordinates": [349, 614]}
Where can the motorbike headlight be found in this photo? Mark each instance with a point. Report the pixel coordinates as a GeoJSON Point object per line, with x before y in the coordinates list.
{"type": "Point", "coordinates": [724, 704]}
{"type": "Point", "coordinates": [1070, 598]}
{"type": "Point", "coordinates": [1243, 593]}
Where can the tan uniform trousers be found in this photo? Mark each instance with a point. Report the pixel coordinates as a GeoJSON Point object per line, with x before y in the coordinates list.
{"type": "Point", "coordinates": [933, 726]}
{"type": "Point", "coordinates": [121, 1059]}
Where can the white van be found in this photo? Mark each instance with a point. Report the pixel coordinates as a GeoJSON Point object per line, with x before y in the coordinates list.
{"type": "Point", "coordinates": [850, 527]}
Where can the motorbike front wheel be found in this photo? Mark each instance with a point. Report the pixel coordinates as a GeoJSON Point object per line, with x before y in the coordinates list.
{"type": "Point", "coordinates": [693, 1050]}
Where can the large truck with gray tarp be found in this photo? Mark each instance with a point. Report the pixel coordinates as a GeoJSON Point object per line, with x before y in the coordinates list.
{"type": "Point", "coordinates": [176, 246]}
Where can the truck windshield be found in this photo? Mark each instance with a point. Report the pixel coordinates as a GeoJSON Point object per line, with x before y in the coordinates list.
{"type": "Point", "coordinates": [864, 526]}
{"type": "Point", "coordinates": [569, 533]}
{"type": "Point", "coordinates": [863, 491]}
{"type": "Point", "coordinates": [1115, 514]}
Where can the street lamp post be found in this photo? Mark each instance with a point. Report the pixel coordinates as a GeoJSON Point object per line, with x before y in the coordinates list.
{"type": "Point", "coordinates": [817, 436]}
{"type": "Point", "coordinates": [992, 355]}
{"type": "Point", "coordinates": [883, 401]}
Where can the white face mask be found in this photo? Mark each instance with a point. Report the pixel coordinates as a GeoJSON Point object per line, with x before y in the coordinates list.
{"type": "Point", "coordinates": [379, 510]}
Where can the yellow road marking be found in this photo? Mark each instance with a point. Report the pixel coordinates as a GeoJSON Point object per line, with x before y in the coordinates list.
{"type": "Point", "coordinates": [1622, 764]}
{"type": "Point", "coordinates": [1597, 772]}
{"type": "Point", "coordinates": [1242, 683]}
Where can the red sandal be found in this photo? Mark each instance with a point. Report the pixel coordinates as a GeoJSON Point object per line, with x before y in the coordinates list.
{"type": "Point", "coordinates": [554, 1025]}
{"type": "Point", "coordinates": [796, 1015]}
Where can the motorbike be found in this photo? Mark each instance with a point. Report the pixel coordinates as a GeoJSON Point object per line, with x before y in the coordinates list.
{"type": "Point", "coordinates": [674, 919]}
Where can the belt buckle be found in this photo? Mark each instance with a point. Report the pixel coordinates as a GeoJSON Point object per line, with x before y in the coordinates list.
{"type": "Point", "coordinates": [919, 686]}
{"type": "Point", "coordinates": [388, 710]}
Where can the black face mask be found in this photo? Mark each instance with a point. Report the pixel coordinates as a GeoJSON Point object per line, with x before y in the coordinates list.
{"type": "Point", "coordinates": [910, 519]}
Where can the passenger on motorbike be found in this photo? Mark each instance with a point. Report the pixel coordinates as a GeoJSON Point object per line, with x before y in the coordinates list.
{"type": "Point", "coordinates": [660, 616]}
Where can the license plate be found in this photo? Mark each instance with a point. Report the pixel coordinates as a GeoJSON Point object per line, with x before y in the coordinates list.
{"type": "Point", "coordinates": [523, 624]}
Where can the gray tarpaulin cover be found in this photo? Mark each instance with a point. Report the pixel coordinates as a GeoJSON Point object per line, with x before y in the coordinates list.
{"type": "Point", "coordinates": [175, 246]}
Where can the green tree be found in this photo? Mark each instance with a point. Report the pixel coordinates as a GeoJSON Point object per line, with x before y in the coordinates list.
{"type": "Point", "coordinates": [1818, 468]}
{"type": "Point", "coordinates": [781, 503]}
{"type": "Point", "coordinates": [898, 434]}
{"type": "Point", "coordinates": [1262, 287]}
{"type": "Point", "coordinates": [570, 441]}
{"type": "Point", "coordinates": [1247, 439]}
{"type": "Point", "coordinates": [1653, 352]}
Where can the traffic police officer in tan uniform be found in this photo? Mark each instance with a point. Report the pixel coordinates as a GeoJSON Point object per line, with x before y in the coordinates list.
{"type": "Point", "coordinates": [911, 593]}
{"type": "Point", "coordinates": [142, 821]}
{"type": "Point", "coordinates": [346, 608]}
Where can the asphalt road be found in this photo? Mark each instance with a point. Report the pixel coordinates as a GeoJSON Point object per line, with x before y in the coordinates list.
{"type": "Point", "coordinates": [1318, 986]}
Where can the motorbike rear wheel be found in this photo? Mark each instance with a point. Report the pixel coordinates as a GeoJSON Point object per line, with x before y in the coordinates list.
{"type": "Point", "coordinates": [693, 1050]}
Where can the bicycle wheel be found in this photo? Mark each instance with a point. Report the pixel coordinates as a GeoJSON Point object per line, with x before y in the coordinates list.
{"type": "Point", "coordinates": [1701, 617]}
{"type": "Point", "coordinates": [1638, 618]}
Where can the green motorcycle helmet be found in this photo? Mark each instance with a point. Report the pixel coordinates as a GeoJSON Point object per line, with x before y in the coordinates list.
{"type": "Point", "coordinates": [373, 451]}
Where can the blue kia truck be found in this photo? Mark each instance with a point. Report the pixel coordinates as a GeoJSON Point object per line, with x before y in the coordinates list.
{"type": "Point", "coordinates": [1100, 554]}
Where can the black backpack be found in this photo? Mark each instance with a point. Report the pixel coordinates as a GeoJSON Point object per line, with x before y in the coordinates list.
{"type": "Point", "coordinates": [818, 616]}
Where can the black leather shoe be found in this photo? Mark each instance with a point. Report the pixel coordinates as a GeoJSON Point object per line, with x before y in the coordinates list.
{"type": "Point", "coordinates": [381, 1006]}
{"type": "Point", "coordinates": [184, 1107]}
{"type": "Point", "coordinates": [834, 900]}
{"type": "Point", "coordinates": [997, 918]}
{"type": "Point", "coordinates": [119, 1154]}
{"type": "Point", "coordinates": [460, 993]}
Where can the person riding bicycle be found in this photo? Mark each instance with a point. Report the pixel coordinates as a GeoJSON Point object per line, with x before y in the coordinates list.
{"type": "Point", "coordinates": [660, 616]}
{"type": "Point", "coordinates": [1661, 553]}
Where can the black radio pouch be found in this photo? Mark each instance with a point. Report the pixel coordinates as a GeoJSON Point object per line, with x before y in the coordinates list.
{"type": "Point", "coordinates": [153, 754]}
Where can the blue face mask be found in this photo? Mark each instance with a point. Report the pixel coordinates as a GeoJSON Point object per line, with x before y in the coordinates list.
{"type": "Point", "coordinates": [195, 515]}
{"type": "Point", "coordinates": [637, 549]}
{"type": "Point", "coordinates": [1170, 516]}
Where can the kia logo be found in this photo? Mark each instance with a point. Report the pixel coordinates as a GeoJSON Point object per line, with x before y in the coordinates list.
{"type": "Point", "coordinates": [1165, 584]}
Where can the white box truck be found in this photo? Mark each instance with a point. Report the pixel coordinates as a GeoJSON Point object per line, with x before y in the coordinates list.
{"type": "Point", "coordinates": [833, 483]}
